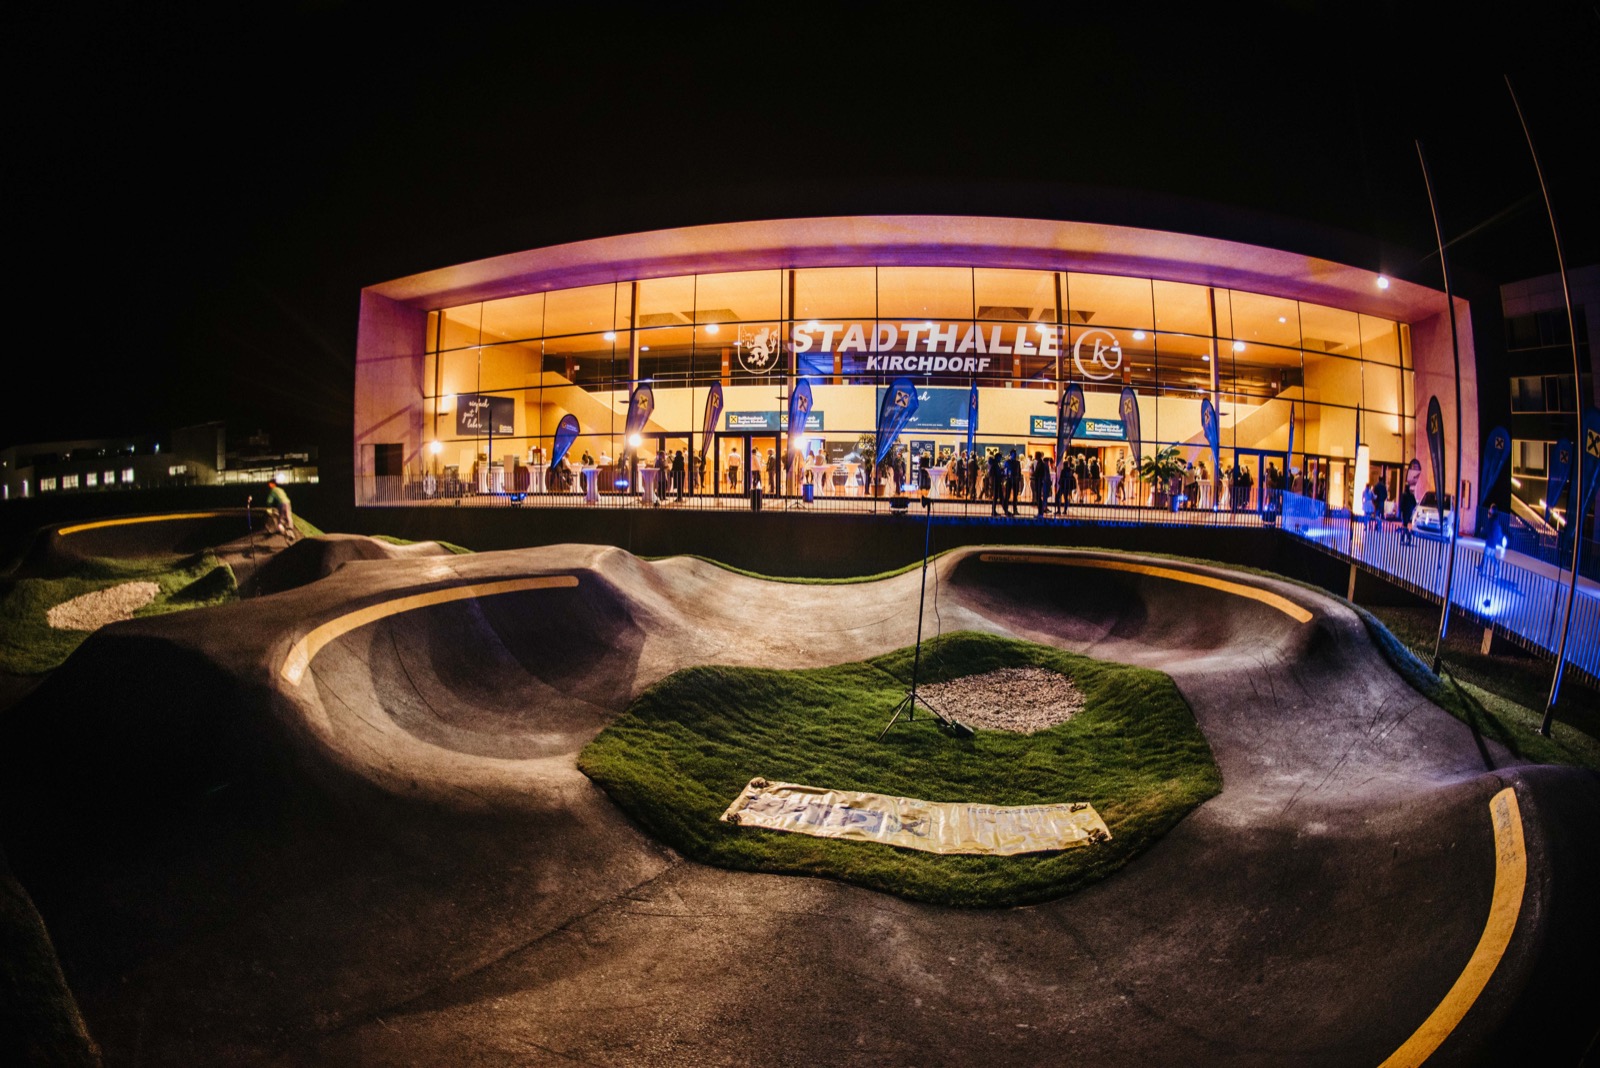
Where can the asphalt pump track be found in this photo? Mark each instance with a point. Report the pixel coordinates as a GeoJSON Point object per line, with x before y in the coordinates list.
{"type": "Point", "coordinates": [342, 824]}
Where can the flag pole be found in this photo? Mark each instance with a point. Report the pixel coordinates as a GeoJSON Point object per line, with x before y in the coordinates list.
{"type": "Point", "coordinates": [1577, 379]}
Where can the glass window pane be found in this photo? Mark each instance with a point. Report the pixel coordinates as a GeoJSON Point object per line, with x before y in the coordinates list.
{"type": "Point", "coordinates": [1006, 294]}
{"type": "Point", "coordinates": [511, 366]}
{"type": "Point", "coordinates": [743, 296]}
{"type": "Point", "coordinates": [1183, 308]}
{"type": "Point", "coordinates": [461, 326]}
{"type": "Point", "coordinates": [588, 359]}
{"type": "Point", "coordinates": [578, 311]}
{"type": "Point", "coordinates": [832, 293]}
{"type": "Point", "coordinates": [924, 293]}
{"type": "Point", "coordinates": [459, 373]}
{"type": "Point", "coordinates": [1381, 388]}
{"type": "Point", "coordinates": [1330, 330]}
{"type": "Point", "coordinates": [514, 318]}
{"type": "Point", "coordinates": [667, 301]}
{"type": "Point", "coordinates": [1267, 320]}
{"type": "Point", "coordinates": [667, 354]}
{"type": "Point", "coordinates": [1380, 340]}
{"type": "Point", "coordinates": [1108, 301]}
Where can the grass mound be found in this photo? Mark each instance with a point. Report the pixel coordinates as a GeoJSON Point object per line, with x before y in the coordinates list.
{"type": "Point", "coordinates": [689, 744]}
{"type": "Point", "coordinates": [29, 645]}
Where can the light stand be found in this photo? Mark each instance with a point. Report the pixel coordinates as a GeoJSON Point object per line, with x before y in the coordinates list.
{"type": "Point", "coordinates": [908, 703]}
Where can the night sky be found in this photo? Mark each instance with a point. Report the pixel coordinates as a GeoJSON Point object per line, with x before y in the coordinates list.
{"type": "Point", "coordinates": [194, 199]}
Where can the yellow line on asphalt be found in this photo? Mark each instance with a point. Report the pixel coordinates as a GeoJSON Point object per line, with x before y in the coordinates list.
{"type": "Point", "coordinates": [64, 531]}
{"type": "Point", "coordinates": [1510, 877]}
{"type": "Point", "coordinates": [1238, 589]}
{"type": "Point", "coordinates": [300, 657]}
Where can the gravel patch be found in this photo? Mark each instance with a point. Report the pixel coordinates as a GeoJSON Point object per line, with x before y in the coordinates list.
{"type": "Point", "coordinates": [1023, 700]}
{"type": "Point", "coordinates": [111, 605]}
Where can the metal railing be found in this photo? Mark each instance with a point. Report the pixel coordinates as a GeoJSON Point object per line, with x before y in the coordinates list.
{"type": "Point", "coordinates": [1088, 506]}
{"type": "Point", "coordinates": [1520, 597]}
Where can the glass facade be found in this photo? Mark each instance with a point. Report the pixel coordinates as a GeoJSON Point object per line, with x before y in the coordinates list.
{"type": "Point", "coordinates": [1345, 379]}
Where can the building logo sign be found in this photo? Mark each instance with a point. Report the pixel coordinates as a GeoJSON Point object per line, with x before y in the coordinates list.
{"type": "Point", "coordinates": [1105, 359]}
{"type": "Point", "coordinates": [930, 347]}
{"type": "Point", "coordinates": [1044, 426]}
{"type": "Point", "coordinates": [770, 421]}
{"type": "Point", "coordinates": [758, 349]}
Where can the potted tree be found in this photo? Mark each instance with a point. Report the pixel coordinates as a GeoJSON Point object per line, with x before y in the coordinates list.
{"type": "Point", "coordinates": [867, 449]}
{"type": "Point", "coordinates": [1160, 469]}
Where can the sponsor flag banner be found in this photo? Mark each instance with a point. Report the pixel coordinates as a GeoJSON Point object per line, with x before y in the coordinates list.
{"type": "Point", "coordinates": [1435, 430]}
{"type": "Point", "coordinates": [1560, 471]}
{"type": "Point", "coordinates": [1288, 457]}
{"type": "Point", "coordinates": [640, 406]}
{"type": "Point", "coordinates": [972, 414]}
{"type": "Point", "coordinates": [1589, 462]}
{"type": "Point", "coordinates": [932, 826]}
{"type": "Point", "coordinates": [1070, 407]}
{"type": "Point", "coordinates": [1208, 423]}
{"type": "Point", "coordinates": [1129, 407]}
{"type": "Point", "coordinates": [899, 405]}
{"type": "Point", "coordinates": [1495, 451]}
{"type": "Point", "coordinates": [799, 409]}
{"type": "Point", "coordinates": [566, 434]}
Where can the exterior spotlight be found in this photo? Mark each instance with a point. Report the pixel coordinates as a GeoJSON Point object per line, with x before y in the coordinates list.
{"type": "Point", "coordinates": [712, 328]}
{"type": "Point", "coordinates": [1138, 335]}
{"type": "Point", "coordinates": [610, 335]}
{"type": "Point", "coordinates": [1383, 282]}
{"type": "Point", "coordinates": [436, 447]}
{"type": "Point", "coordinates": [634, 441]}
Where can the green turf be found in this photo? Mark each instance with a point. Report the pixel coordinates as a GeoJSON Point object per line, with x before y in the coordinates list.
{"type": "Point", "coordinates": [687, 746]}
{"type": "Point", "coordinates": [29, 645]}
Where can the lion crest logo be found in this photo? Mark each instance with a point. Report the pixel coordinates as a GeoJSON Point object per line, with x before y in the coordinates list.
{"type": "Point", "coordinates": [758, 349]}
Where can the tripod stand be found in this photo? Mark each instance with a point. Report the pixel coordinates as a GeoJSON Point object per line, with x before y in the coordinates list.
{"type": "Point", "coordinates": [908, 703]}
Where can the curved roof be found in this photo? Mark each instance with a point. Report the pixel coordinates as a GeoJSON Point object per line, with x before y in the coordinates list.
{"type": "Point", "coordinates": [918, 240]}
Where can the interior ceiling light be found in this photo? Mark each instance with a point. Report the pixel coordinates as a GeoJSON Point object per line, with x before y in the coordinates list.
{"type": "Point", "coordinates": [1238, 346]}
{"type": "Point", "coordinates": [610, 335]}
{"type": "Point", "coordinates": [1138, 335]}
{"type": "Point", "coordinates": [1383, 283]}
{"type": "Point", "coordinates": [1281, 319]}
{"type": "Point", "coordinates": [644, 348]}
{"type": "Point", "coordinates": [711, 328]}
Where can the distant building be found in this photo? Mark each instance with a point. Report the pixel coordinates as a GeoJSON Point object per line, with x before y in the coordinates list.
{"type": "Point", "coordinates": [194, 456]}
{"type": "Point", "coordinates": [1544, 403]}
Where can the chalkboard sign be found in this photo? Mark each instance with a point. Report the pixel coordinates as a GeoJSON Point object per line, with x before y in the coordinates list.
{"type": "Point", "coordinates": [478, 414]}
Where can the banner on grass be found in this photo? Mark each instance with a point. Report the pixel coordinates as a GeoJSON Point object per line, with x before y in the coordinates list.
{"type": "Point", "coordinates": [972, 414]}
{"type": "Point", "coordinates": [1495, 452]}
{"type": "Point", "coordinates": [566, 434]}
{"type": "Point", "coordinates": [1129, 406]}
{"type": "Point", "coordinates": [1070, 407]}
{"type": "Point", "coordinates": [899, 405]}
{"type": "Point", "coordinates": [1208, 423]}
{"type": "Point", "coordinates": [1435, 431]}
{"type": "Point", "coordinates": [933, 826]}
{"type": "Point", "coordinates": [1560, 471]}
{"type": "Point", "coordinates": [799, 409]}
{"type": "Point", "coordinates": [640, 405]}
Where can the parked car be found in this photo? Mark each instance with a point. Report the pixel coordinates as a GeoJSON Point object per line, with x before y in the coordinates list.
{"type": "Point", "coordinates": [1429, 520]}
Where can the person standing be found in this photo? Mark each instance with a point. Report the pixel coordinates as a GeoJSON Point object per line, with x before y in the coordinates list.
{"type": "Point", "coordinates": [1494, 544]}
{"type": "Point", "coordinates": [733, 469]}
{"type": "Point", "coordinates": [1408, 508]}
{"type": "Point", "coordinates": [1066, 483]}
{"type": "Point", "coordinates": [1013, 482]}
{"type": "Point", "coordinates": [997, 478]}
{"type": "Point", "coordinates": [278, 501]}
{"type": "Point", "coordinates": [772, 472]}
{"type": "Point", "coordinates": [1366, 505]}
{"type": "Point", "coordinates": [1380, 497]}
{"type": "Point", "coordinates": [679, 470]}
{"type": "Point", "coordinates": [1041, 483]}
